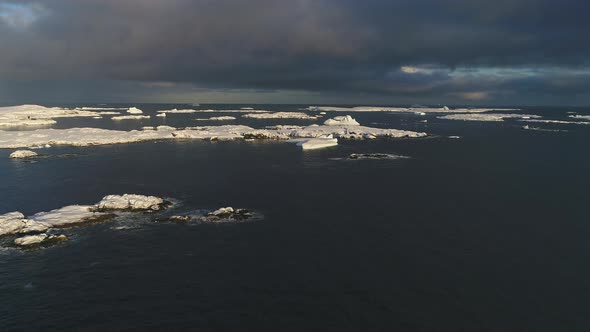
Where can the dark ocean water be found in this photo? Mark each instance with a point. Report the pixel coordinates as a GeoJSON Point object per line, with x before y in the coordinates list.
{"type": "Point", "coordinates": [484, 233]}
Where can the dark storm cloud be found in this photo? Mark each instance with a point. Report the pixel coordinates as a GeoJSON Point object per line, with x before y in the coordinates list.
{"type": "Point", "coordinates": [315, 45]}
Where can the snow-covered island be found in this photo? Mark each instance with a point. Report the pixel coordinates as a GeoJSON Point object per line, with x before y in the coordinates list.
{"type": "Point", "coordinates": [98, 136]}
{"type": "Point", "coordinates": [280, 115]}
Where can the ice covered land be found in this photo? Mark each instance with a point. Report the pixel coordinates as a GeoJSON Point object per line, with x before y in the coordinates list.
{"type": "Point", "coordinates": [443, 109]}
{"type": "Point", "coordinates": [98, 136]}
{"type": "Point", "coordinates": [35, 115]}
{"type": "Point", "coordinates": [280, 115]}
{"type": "Point", "coordinates": [15, 223]}
{"type": "Point", "coordinates": [491, 117]}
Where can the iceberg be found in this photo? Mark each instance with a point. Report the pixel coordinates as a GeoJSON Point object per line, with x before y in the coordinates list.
{"type": "Point", "coordinates": [23, 154]}
{"type": "Point", "coordinates": [346, 120]}
{"type": "Point", "coordinates": [162, 115]}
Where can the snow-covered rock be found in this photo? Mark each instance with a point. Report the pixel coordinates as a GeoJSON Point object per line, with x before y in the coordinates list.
{"type": "Point", "coordinates": [134, 110]}
{"type": "Point", "coordinates": [130, 202]}
{"type": "Point", "coordinates": [346, 120]}
{"type": "Point", "coordinates": [228, 214]}
{"type": "Point", "coordinates": [130, 117]}
{"type": "Point", "coordinates": [23, 154]}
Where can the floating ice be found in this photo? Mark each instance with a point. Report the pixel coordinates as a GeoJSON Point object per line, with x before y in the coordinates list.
{"type": "Point", "coordinates": [316, 143]}
{"type": "Point", "coordinates": [218, 118]}
{"type": "Point", "coordinates": [583, 117]}
{"type": "Point", "coordinates": [375, 156]}
{"type": "Point", "coordinates": [11, 223]}
{"type": "Point", "coordinates": [346, 120]}
{"type": "Point", "coordinates": [405, 109]}
{"type": "Point", "coordinates": [280, 115]}
{"type": "Point", "coordinates": [181, 111]}
{"type": "Point", "coordinates": [68, 216]}
{"type": "Point", "coordinates": [557, 122]}
{"type": "Point", "coordinates": [228, 214]}
{"type": "Point", "coordinates": [162, 115]}
{"type": "Point", "coordinates": [91, 108]}
{"type": "Point", "coordinates": [134, 110]}
{"type": "Point", "coordinates": [491, 117]}
{"type": "Point", "coordinates": [130, 117]}
{"type": "Point", "coordinates": [23, 154]}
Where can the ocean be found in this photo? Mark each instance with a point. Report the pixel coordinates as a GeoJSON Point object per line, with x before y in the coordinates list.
{"type": "Point", "coordinates": [486, 232]}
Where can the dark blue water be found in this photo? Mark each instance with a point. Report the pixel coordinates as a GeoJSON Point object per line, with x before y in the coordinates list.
{"type": "Point", "coordinates": [484, 233]}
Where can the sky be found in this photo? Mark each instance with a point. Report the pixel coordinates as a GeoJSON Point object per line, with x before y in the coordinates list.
{"type": "Point", "coordinates": [430, 52]}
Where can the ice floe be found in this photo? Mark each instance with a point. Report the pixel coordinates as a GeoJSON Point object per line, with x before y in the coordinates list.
{"type": "Point", "coordinates": [218, 118]}
{"type": "Point", "coordinates": [233, 111]}
{"type": "Point", "coordinates": [280, 115]}
{"type": "Point", "coordinates": [134, 110]}
{"type": "Point", "coordinates": [556, 121]}
{"type": "Point", "coordinates": [405, 109]}
{"type": "Point", "coordinates": [91, 108]}
{"type": "Point", "coordinates": [346, 120]}
{"type": "Point", "coordinates": [316, 143]}
{"type": "Point", "coordinates": [177, 111]}
{"type": "Point", "coordinates": [491, 117]}
{"type": "Point", "coordinates": [69, 216]}
{"type": "Point", "coordinates": [162, 115]}
{"type": "Point", "coordinates": [130, 117]}
{"type": "Point", "coordinates": [23, 154]}
{"type": "Point", "coordinates": [583, 117]}
{"type": "Point", "coordinates": [35, 115]}
{"type": "Point", "coordinates": [375, 156]}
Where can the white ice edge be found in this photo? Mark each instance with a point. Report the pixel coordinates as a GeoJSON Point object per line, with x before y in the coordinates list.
{"type": "Point", "coordinates": [488, 117]}
{"type": "Point", "coordinates": [443, 109]}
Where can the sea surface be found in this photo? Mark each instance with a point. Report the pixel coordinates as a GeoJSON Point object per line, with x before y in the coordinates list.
{"type": "Point", "coordinates": [488, 232]}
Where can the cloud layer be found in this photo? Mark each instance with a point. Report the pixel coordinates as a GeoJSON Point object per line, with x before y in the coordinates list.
{"type": "Point", "coordinates": [458, 50]}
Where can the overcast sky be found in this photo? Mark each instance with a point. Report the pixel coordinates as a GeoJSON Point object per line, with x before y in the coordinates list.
{"type": "Point", "coordinates": [502, 52]}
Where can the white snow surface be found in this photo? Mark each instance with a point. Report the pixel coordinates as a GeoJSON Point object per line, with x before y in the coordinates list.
{"type": "Point", "coordinates": [490, 117]}
{"type": "Point", "coordinates": [11, 223]}
{"type": "Point", "coordinates": [66, 215]}
{"type": "Point", "coordinates": [23, 154]}
{"type": "Point", "coordinates": [345, 120]}
{"type": "Point", "coordinates": [31, 239]}
{"type": "Point", "coordinates": [130, 202]}
{"type": "Point", "coordinates": [130, 117]}
{"type": "Point", "coordinates": [280, 115]}
{"type": "Point", "coordinates": [35, 115]}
